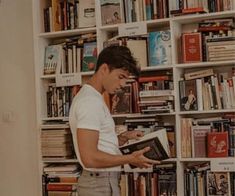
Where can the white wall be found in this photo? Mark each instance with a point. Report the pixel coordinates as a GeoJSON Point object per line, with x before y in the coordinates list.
{"type": "Point", "coordinates": [18, 138]}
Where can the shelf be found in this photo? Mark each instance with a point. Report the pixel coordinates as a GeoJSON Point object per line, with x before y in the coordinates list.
{"type": "Point", "coordinates": [157, 67]}
{"type": "Point", "coordinates": [139, 115]}
{"type": "Point", "coordinates": [206, 159]}
{"type": "Point", "coordinates": [149, 23]}
{"type": "Point", "coordinates": [193, 18]}
{"type": "Point", "coordinates": [58, 34]}
{"type": "Point", "coordinates": [88, 73]}
{"type": "Point", "coordinates": [205, 64]}
{"type": "Point", "coordinates": [207, 111]}
{"type": "Point", "coordinates": [54, 126]}
{"type": "Point", "coordinates": [57, 160]}
{"type": "Point", "coordinates": [55, 118]}
{"type": "Point", "coordinates": [51, 76]}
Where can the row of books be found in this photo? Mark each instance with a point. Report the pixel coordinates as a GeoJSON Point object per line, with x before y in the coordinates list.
{"type": "Point", "coordinates": [181, 7]}
{"type": "Point", "coordinates": [68, 14]}
{"type": "Point", "coordinates": [56, 143]}
{"type": "Point", "coordinates": [207, 90]}
{"type": "Point", "coordinates": [197, 46]}
{"type": "Point", "coordinates": [200, 180]}
{"type": "Point", "coordinates": [161, 182]}
{"type": "Point", "coordinates": [60, 179]}
{"type": "Point", "coordinates": [71, 55]}
{"type": "Point", "coordinates": [117, 11]}
{"type": "Point", "coordinates": [150, 50]}
{"type": "Point", "coordinates": [59, 99]}
{"type": "Point", "coordinates": [209, 139]}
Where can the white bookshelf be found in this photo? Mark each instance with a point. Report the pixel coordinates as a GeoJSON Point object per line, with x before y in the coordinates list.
{"type": "Point", "coordinates": [176, 25]}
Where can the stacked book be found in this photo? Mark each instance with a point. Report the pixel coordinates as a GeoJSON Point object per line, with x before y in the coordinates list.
{"type": "Point", "coordinates": [60, 179]}
{"type": "Point", "coordinates": [220, 49]}
{"type": "Point", "coordinates": [56, 143]}
{"type": "Point", "coordinates": [156, 94]}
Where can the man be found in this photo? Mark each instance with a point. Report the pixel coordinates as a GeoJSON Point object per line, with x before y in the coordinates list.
{"type": "Point", "coordinates": [93, 129]}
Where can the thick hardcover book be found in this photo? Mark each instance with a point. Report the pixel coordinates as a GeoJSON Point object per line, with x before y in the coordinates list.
{"type": "Point", "coordinates": [191, 47]}
{"type": "Point", "coordinates": [157, 141]}
{"type": "Point", "coordinates": [217, 144]}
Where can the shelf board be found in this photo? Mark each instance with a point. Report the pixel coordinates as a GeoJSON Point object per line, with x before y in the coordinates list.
{"type": "Point", "coordinates": [205, 64]}
{"type": "Point", "coordinates": [56, 160]}
{"type": "Point", "coordinates": [51, 76]}
{"type": "Point", "coordinates": [193, 18]}
{"type": "Point", "coordinates": [55, 126]}
{"type": "Point", "coordinates": [158, 22]}
{"type": "Point", "coordinates": [55, 118]}
{"type": "Point", "coordinates": [64, 33]}
{"type": "Point", "coordinates": [87, 73]}
{"type": "Point", "coordinates": [207, 111]}
{"type": "Point", "coordinates": [206, 159]}
{"type": "Point", "coordinates": [113, 27]}
{"type": "Point", "coordinates": [139, 115]}
{"type": "Point", "coordinates": [157, 67]}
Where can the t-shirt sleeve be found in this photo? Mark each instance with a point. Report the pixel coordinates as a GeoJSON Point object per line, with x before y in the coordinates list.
{"type": "Point", "coordinates": [88, 114]}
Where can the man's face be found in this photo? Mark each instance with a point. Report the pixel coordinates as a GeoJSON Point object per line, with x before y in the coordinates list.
{"type": "Point", "coordinates": [114, 80]}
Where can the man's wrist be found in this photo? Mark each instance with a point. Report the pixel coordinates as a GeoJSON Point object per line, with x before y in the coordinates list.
{"type": "Point", "coordinates": [122, 138]}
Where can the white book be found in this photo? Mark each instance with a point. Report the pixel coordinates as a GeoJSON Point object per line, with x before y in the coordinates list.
{"type": "Point", "coordinates": [199, 94]}
{"type": "Point", "coordinates": [86, 14]}
{"type": "Point", "coordinates": [139, 50]}
{"type": "Point", "coordinates": [74, 58]}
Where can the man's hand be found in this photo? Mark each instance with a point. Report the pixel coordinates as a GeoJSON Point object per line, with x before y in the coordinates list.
{"type": "Point", "coordinates": [139, 160]}
{"type": "Point", "coordinates": [129, 135]}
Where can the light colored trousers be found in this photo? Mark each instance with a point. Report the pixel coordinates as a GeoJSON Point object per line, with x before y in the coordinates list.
{"type": "Point", "coordinates": [99, 184]}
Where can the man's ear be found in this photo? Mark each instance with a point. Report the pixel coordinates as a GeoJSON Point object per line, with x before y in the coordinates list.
{"type": "Point", "coordinates": [104, 68]}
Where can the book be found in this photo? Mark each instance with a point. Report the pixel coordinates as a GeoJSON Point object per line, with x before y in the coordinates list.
{"type": "Point", "coordinates": [198, 74]}
{"type": "Point", "coordinates": [218, 183]}
{"type": "Point", "coordinates": [199, 140]}
{"type": "Point", "coordinates": [110, 12]}
{"type": "Point", "coordinates": [217, 144]}
{"type": "Point", "coordinates": [139, 50]}
{"type": "Point", "coordinates": [89, 56]}
{"type": "Point", "coordinates": [157, 141]}
{"type": "Point", "coordinates": [86, 14]}
{"type": "Point", "coordinates": [160, 48]}
{"type": "Point", "coordinates": [188, 95]}
{"type": "Point", "coordinates": [121, 101]}
{"type": "Point", "coordinates": [52, 59]}
{"type": "Point", "coordinates": [191, 47]}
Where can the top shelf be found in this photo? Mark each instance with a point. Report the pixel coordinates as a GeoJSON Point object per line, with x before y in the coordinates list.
{"type": "Point", "coordinates": [193, 18]}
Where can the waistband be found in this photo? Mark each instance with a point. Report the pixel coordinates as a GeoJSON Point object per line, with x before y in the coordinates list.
{"type": "Point", "coordinates": [101, 173]}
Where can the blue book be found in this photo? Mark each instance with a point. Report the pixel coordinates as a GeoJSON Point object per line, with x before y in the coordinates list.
{"type": "Point", "coordinates": [160, 48]}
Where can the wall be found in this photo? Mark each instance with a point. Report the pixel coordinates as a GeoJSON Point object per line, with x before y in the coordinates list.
{"type": "Point", "coordinates": [18, 135]}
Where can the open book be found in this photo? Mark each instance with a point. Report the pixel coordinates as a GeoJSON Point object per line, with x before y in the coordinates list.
{"type": "Point", "coordinates": [157, 141]}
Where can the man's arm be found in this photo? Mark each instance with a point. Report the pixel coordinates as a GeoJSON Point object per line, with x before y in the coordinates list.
{"type": "Point", "coordinates": [92, 157]}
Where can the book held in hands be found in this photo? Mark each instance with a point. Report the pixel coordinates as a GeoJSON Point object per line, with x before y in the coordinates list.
{"type": "Point", "coordinates": [157, 141]}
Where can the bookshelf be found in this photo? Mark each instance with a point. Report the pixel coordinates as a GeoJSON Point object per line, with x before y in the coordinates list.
{"type": "Point", "coordinates": [176, 25]}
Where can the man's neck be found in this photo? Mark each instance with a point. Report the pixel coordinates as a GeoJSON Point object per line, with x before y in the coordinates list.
{"type": "Point", "coordinates": [94, 81]}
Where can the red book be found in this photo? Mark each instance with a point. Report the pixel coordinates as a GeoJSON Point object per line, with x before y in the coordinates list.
{"type": "Point", "coordinates": [61, 187]}
{"type": "Point", "coordinates": [191, 47]}
{"type": "Point", "coordinates": [154, 78]}
{"type": "Point", "coordinates": [217, 144]}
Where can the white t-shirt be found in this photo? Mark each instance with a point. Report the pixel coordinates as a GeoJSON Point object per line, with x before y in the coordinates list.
{"type": "Point", "coordinates": [89, 111]}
